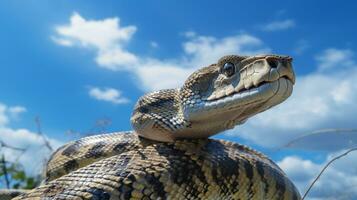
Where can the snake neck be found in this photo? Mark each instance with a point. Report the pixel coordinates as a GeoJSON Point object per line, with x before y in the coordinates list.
{"type": "Point", "coordinates": [159, 116]}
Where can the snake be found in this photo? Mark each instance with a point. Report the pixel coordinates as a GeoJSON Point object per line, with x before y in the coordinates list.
{"type": "Point", "coordinates": [170, 153]}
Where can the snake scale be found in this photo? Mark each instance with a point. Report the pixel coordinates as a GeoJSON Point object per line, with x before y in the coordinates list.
{"type": "Point", "coordinates": [169, 154]}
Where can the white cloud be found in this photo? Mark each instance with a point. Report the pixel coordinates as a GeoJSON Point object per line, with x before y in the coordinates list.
{"type": "Point", "coordinates": [151, 73]}
{"type": "Point", "coordinates": [101, 34]}
{"type": "Point", "coordinates": [319, 101]}
{"type": "Point", "coordinates": [338, 181]}
{"type": "Point", "coordinates": [205, 50]}
{"type": "Point", "coordinates": [107, 94]}
{"type": "Point", "coordinates": [156, 75]}
{"type": "Point", "coordinates": [278, 25]}
{"type": "Point", "coordinates": [116, 59]}
{"type": "Point", "coordinates": [7, 113]}
{"type": "Point", "coordinates": [22, 138]}
{"type": "Point", "coordinates": [106, 36]}
{"type": "Point", "coordinates": [332, 57]}
{"type": "Point", "coordinates": [15, 111]}
{"type": "Point", "coordinates": [300, 171]}
{"type": "Point", "coordinates": [3, 117]}
{"type": "Point", "coordinates": [62, 41]}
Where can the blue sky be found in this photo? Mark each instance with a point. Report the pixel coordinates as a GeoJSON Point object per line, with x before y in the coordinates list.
{"type": "Point", "coordinates": [72, 63]}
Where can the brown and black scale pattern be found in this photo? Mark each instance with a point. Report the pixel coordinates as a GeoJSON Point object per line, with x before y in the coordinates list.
{"type": "Point", "coordinates": [154, 106]}
{"type": "Point", "coordinates": [7, 194]}
{"type": "Point", "coordinates": [125, 166]}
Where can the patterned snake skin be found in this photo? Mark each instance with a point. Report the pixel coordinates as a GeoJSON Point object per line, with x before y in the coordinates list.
{"type": "Point", "coordinates": [169, 155]}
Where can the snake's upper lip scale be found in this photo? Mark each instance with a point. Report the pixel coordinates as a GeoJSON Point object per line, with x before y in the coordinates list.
{"type": "Point", "coordinates": [289, 77]}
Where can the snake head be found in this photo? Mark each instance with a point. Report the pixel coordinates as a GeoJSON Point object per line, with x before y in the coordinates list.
{"type": "Point", "coordinates": [216, 98]}
{"type": "Point", "coordinates": [227, 93]}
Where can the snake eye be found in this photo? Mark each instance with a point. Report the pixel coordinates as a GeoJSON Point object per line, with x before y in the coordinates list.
{"type": "Point", "coordinates": [228, 69]}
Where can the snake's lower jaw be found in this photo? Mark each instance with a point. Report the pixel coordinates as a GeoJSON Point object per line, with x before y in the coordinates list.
{"type": "Point", "coordinates": [281, 90]}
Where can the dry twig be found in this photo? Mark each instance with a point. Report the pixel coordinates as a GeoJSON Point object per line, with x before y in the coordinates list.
{"type": "Point", "coordinates": [39, 132]}
{"type": "Point", "coordinates": [4, 170]}
{"type": "Point", "coordinates": [325, 167]}
{"type": "Point", "coordinates": [3, 144]}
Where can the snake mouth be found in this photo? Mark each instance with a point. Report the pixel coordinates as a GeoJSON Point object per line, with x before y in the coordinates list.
{"type": "Point", "coordinates": [264, 83]}
{"type": "Point", "coordinates": [261, 84]}
{"type": "Point", "coordinates": [254, 95]}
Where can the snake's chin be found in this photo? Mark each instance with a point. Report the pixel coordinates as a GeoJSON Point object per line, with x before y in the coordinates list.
{"type": "Point", "coordinates": [268, 95]}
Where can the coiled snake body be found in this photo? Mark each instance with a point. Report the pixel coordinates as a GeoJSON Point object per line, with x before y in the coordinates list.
{"type": "Point", "coordinates": [169, 155]}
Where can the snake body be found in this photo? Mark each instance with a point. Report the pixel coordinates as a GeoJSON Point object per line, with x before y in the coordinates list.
{"type": "Point", "coordinates": [169, 155]}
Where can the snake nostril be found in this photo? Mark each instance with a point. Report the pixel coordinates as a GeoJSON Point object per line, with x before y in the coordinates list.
{"type": "Point", "coordinates": [285, 62]}
{"type": "Point", "coordinates": [273, 63]}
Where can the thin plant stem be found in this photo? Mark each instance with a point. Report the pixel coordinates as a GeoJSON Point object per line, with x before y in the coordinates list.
{"type": "Point", "coordinates": [39, 131]}
{"type": "Point", "coordinates": [4, 169]}
{"type": "Point", "coordinates": [325, 167]}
